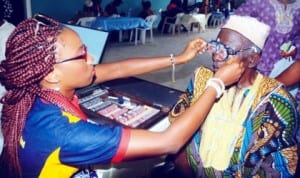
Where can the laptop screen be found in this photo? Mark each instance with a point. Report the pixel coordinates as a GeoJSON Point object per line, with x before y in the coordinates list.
{"type": "Point", "coordinates": [95, 40]}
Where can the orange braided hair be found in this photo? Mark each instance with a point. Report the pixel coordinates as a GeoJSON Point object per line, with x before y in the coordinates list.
{"type": "Point", "coordinates": [30, 56]}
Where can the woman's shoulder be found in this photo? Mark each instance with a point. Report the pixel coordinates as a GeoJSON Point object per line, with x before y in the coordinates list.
{"type": "Point", "coordinates": [42, 109]}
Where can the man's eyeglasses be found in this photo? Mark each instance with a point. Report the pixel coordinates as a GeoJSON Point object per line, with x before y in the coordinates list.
{"type": "Point", "coordinates": [83, 56]}
{"type": "Point", "coordinates": [223, 51]}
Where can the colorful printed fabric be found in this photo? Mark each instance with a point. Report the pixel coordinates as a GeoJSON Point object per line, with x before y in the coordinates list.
{"type": "Point", "coordinates": [285, 27]}
{"type": "Point", "coordinates": [56, 144]}
{"type": "Point", "coordinates": [282, 30]}
{"type": "Point", "coordinates": [265, 146]}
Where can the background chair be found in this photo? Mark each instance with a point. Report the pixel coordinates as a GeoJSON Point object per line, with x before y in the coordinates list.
{"type": "Point", "coordinates": [215, 19]}
{"type": "Point", "coordinates": [86, 21]}
{"type": "Point", "coordinates": [149, 20]}
{"type": "Point", "coordinates": [200, 21]}
{"type": "Point", "coordinates": [173, 23]}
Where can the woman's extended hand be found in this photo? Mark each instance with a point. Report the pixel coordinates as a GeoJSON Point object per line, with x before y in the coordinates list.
{"type": "Point", "coordinates": [230, 72]}
{"type": "Point", "coordinates": [193, 48]}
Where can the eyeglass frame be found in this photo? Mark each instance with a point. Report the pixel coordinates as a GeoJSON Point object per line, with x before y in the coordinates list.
{"type": "Point", "coordinates": [229, 51]}
{"type": "Point", "coordinates": [83, 56]}
{"type": "Point", "coordinates": [42, 19]}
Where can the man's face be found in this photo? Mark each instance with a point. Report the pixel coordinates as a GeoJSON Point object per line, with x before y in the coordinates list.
{"type": "Point", "coordinates": [228, 44]}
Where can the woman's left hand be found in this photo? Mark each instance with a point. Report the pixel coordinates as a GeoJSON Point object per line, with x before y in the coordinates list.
{"type": "Point", "coordinates": [194, 47]}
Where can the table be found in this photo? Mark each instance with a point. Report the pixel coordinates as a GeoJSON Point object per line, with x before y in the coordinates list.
{"type": "Point", "coordinates": [188, 20]}
{"type": "Point", "coordinates": [119, 23]}
{"type": "Point", "coordinates": [142, 89]}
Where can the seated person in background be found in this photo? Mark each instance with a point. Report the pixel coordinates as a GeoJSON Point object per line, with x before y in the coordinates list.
{"type": "Point", "coordinates": [48, 135]}
{"type": "Point", "coordinates": [173, 8]}
{"type": "Point", "coordinates": [250, 131]}
{"type": "Point", "coordinates": [112, 8]}
{"type": "Point", "coordinates": [147, 9]}
{"type": "Point", "coordinates": [87, 9]}
{"type": "Point", "coordinates": [97, 9]}
{"type": "Point", "coordinates": [91, 8]}
{"type": "Point", "coordinates": [201, 7]}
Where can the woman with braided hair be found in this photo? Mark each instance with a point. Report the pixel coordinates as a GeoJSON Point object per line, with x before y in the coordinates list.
{"type": "Point", "coordinates": [47, 135]}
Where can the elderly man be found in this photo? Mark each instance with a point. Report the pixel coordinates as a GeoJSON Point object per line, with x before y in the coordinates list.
{"type": "Point", "coordinates": [250, 130]}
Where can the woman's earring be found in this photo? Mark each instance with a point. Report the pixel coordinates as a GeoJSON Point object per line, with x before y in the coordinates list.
{"type": "Point", "coordinates": [252, 63]}
{"type": "Point", "coordinates": [51, 78]}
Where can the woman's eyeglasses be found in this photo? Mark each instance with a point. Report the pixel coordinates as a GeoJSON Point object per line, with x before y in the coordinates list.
{"type": "Point", "coordinates": [43, 19]}
{"type": "Point", "coordinates": [217, 48]}
{"type": "Point", "coordinates": [83, 56]}
{"type": "Point", "coordinates": [46, 21]}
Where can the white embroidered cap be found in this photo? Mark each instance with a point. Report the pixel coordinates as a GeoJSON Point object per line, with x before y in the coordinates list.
{"type": "Point", "coordinates": [254, 30]}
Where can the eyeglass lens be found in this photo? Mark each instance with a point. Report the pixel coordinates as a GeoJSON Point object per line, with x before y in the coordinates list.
{"type": "Point", "coordinates": [83, 56]}
{"type": "Point", "coordinates": [217, 48]}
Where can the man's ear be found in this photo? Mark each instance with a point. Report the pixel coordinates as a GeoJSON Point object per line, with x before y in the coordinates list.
{"type": "Point", "coordinates": [52, 77]}
{"type": "Point", "coordinates": [253, 60]}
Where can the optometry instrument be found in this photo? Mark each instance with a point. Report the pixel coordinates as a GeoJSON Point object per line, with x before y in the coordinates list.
{"type": "Point", "coordinates": [218, 48]}
{"type": "Point", "coordinates": [80, 57]}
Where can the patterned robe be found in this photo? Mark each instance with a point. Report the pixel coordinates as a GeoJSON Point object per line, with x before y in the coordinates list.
{"type": "Point", "coordinates": [237, 140]}
{"type": "Point", "coordinates": [285, 26]}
